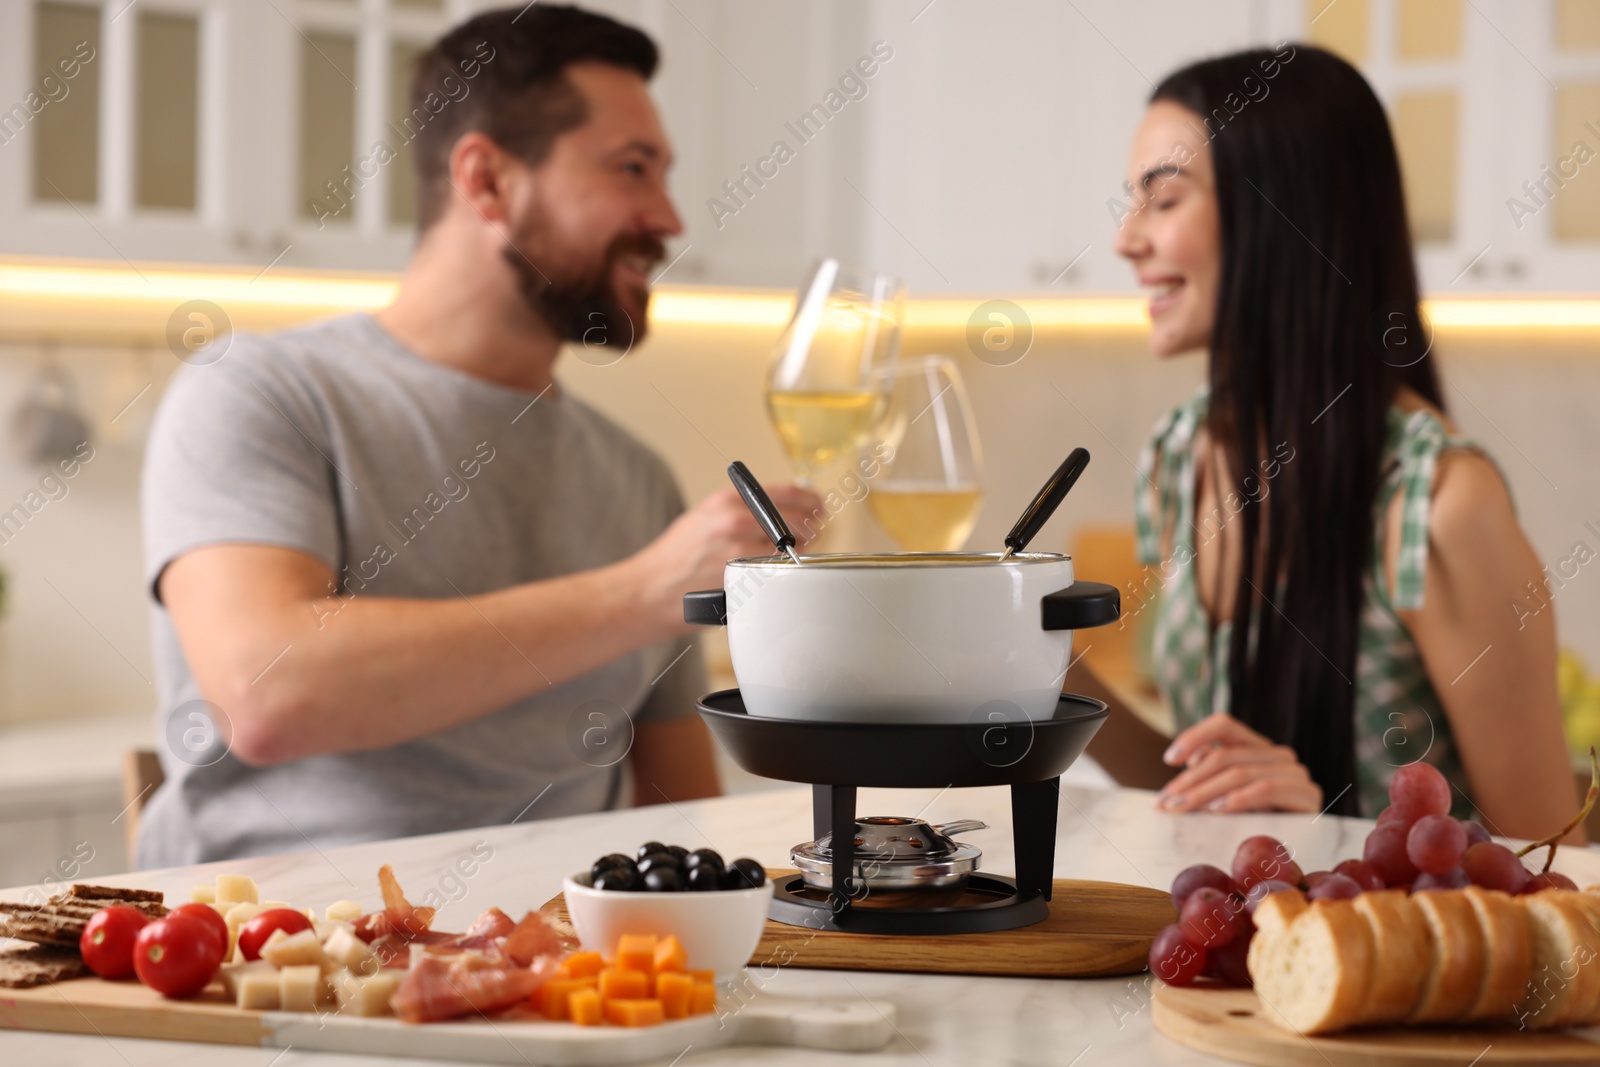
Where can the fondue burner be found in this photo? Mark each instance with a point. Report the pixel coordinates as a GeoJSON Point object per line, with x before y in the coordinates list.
{"type": "Point", "coordinates": [838, 887]}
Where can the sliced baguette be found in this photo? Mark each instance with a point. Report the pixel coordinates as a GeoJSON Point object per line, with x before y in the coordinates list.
{"type": "Point", "coordinates": [1589, 905]}
{"type": "Point", "coordinates": [1561, 989]}
{"type": "Point", "coordinates": [1313, 971]}
{"type": "Point", "coordinates": [1456, 971]}
{"type": "Point", "coordinates": [1401, 955]}
{"type": "Point", "coordinates": [1507, 954]}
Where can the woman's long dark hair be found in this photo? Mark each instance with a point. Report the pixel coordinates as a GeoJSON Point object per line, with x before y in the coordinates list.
{"type": "Point", "coordinates": [1317, 327]}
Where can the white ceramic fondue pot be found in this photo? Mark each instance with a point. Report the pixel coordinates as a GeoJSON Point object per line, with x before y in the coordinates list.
{"type": "Point", "coordinates": [915, 637]}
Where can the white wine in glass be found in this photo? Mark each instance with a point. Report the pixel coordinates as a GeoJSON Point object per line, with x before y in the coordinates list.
{"type": "Point", "coordinates": [828, 386]}
{"type": "Point", "coordinates": [928, 495]}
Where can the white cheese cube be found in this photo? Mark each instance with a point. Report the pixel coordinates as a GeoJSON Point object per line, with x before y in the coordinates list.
{"type": "Point", "coordinates": [367, 995]}
{"type": "Point", "coordinates": [268, 905]}
{"type": "Point", "coordinates": [348, 950]}
{"type": "Point", "coordinates": [299, 988]}
{"type": "Point", "coordinates": [236, 889]}
{"type": "Point", "coordinates": [203, 894]}
{"type": "Point", "coordinates": [232, 974]}
{"type": "Point", "coordinates": [258, 990]}
{"type": "Point", "coordinates": [343, 911]}
{"type": "Point", "coordinates": [296, 950]}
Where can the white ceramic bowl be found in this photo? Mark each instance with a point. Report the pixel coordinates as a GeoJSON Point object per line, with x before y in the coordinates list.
{"type": "Point", "coordinates": [718, 929]}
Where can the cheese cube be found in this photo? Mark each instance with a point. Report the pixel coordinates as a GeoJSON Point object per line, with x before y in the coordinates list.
{"type": "Point", "coordinates": [299, 988]}
{"type": "Point", "coordinates": [232, 974]}
{"type": "Point", "coordinates": [296, 950]}
{"type": "Point", "coordinates": [367, 995]}
{"type": "Point", "coordinates": [584, 1007]}
{"type": "Point", "coordinates": [343, 911]}
{"type": "Point", "coordinates": [258, 990]}
{"type": "Point", "coordinates": [236, 889]}
{"type": "Point", "coordinates": [348, 950]}
{"type": "Point", "coordinates": [203, 894]}
{"type": "Point", "coordinates": [326, 929]}
{"type": "Point", "coordinates": [237, 915]}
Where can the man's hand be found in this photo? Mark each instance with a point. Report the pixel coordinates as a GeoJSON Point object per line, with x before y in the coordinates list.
{"type": "Point", "coordinates": [690, 553]}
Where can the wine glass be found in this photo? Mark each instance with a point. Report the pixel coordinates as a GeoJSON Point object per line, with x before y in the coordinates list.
{"type": "Point", "coordinates": [828, 385]}
{"type": "Point", "coordinates": [929, 492]}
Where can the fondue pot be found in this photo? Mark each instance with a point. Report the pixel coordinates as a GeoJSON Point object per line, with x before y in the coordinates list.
{"type": "Point", "coordinates": [913, 637]}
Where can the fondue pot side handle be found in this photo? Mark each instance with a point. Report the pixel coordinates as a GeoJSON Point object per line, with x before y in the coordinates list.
{"type": "Point", "coordinates": [706, 607]}
{"type": "Point", "coordinates": [1080, 606]}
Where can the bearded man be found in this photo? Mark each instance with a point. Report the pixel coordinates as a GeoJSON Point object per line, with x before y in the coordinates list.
{"type": "Point", "coordinates": [405, 583]}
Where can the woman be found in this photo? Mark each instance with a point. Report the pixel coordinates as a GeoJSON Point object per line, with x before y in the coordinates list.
{"type": "Point", "coordinates": [1336, 563]}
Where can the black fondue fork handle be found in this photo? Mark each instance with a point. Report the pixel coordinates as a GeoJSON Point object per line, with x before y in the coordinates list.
{"type": "Point", "coordinates": [1044, 505]}
{"type": "Point", "coordinates": [761, 506]}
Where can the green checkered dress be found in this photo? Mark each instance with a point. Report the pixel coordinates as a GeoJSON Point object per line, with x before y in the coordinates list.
{"type": "Point", "coordinates": [1398, 715]}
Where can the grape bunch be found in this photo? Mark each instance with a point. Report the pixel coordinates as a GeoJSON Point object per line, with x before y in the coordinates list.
{"type": "Point", "coordinates": [1416, 846]}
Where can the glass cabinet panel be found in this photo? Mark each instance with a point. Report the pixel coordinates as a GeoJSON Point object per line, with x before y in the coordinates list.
{"type": "Point", "coordinates": [327, 127]}
{"type": "Point", "coordinates": [166, 120]}
{"type": "Point", "coordinates": [1425, 126]}
{"type": "Point", "coordinates": [63, 103]}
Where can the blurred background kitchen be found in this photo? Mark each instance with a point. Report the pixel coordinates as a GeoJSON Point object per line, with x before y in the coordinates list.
{"type": "Point", "coordinates": [173, 166]}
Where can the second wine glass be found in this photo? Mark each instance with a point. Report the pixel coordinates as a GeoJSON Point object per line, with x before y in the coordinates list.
{"type": "Point", "coordinates": [928, 495]}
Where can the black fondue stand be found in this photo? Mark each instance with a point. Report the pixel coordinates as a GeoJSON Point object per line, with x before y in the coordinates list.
{"type": "Point", "coordinates": [992, 748]}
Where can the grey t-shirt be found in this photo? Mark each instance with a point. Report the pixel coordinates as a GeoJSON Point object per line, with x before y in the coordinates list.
{"type": "Point", "coordinates": [407, 479]}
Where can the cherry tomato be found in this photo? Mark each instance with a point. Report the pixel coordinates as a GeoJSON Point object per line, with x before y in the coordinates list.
{"type": "Point", "coordinates": [254, 934]}
{"type": "Point", "coordinates": [208, 915]}
{"type": "Point", "coordinates": [107, 942]}
{"type": "Point", "coordinates": [176, 956]}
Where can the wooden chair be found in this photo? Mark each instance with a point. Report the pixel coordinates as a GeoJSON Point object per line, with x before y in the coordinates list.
{"type": "Point", "coordinates": [141, 776]}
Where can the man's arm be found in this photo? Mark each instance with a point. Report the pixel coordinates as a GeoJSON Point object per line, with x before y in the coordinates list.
{"type": "Point", "coordinates": [297, 672]}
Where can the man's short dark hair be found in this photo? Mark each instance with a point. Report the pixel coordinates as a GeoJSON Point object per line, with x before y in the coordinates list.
{"type": "Point", "coordinates": [502, 73]}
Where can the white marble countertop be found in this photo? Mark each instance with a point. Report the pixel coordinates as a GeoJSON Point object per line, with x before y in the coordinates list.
{"type": "Point", "coordinates": [1106, 834]}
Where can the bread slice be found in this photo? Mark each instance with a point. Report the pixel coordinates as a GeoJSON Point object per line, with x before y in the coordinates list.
{"type": "Point", "coordinates": [1507, 954]}
{"type": "Point", "coordinates": [1402, 955]}
{"type": "Point", "coordinates": [26, 966]}
{"type": "Point", "coordinates": [1561, 988]}
{"type": "Point", "coordinates": [1588, 907]}
{"type": "Point", "coordinates": [1313, 971]}
{"type": "Point", "coordinates": [1456, 971]}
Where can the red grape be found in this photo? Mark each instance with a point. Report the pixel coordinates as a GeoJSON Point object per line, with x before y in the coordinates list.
{"type": "Point", "coordinates": [1476, 834]}
{"type": "Point", "coordinates": [1334, 887]}
{"type": "Point", "coordinates": [1385, 849]}
{"type": "Point", "coordinates": [1316, 877]}
{"type": "Point", "coordinates": [1549, 880]}
{"type": "Point", "coordinates": [1211, 918]}
{"type": "Point", "coordinates": [1389, 815]}
{"type": "Point", "coordinates": [1418, 789]}
{"type": "Point", "coordinates": [1261, 858]}
{"type": "Point", "coordinates": [1494, 866]}
{"type": "Point", "coordinates": [1436, 843]}
{"type": "Point", "coordinates": [1228, 963]}
{"type": "Point", "coordinates": [1261, 891]}
{"type": "Point", "coordinates": [1456, 879]}
{"type": "Point", "coordinates": [1201, 874]}
{"type": "Point", "coordinates": [1173, 959]}
{"type": "Point", "coordinates": [1361, 872]}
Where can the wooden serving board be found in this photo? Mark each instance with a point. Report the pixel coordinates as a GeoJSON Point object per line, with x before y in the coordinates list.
{"type": "Point", "coordinates": [1094, 929]}
{"type": "Point", "coordinates": [128, 1009]}
{"type": "Point", "coordinates": [1234, 1024]}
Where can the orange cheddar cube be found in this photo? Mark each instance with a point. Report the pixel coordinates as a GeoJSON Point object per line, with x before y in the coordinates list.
{"type": "Point", "coordinates": [674, 990]}
{"type": "Point", "coordinates": [554, 996]}
{"type": "Point", "coordinates": [634, 1012]}
{"type": "Point", "coordinates": [585, 1008]}
{"type": "Point", "coordinates": [617, 984]}
{"type": "Point", "coordinates": [670, 955]}
{"type": "Point", "coordinates": [636, 952]}
{"type": "Point", "coordinates": [703, 999]}
{"type": "Point", "coordinates": [709, 977]}
{"type": "Point", "coordinates": [582, 964]}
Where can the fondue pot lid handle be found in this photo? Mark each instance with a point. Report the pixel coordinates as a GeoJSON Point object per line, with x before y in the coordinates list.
{"type": "Point", "coordinates": [1080, 606]}
{"type": "Point", "coordinates": [706, 607]}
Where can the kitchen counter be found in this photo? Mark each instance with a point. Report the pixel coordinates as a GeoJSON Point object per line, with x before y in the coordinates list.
{"type": "Point", "coordinates": [1106, 834]}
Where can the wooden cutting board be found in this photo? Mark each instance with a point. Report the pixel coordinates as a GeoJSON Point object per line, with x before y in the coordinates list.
{"type": "Point", "coordinates": [128, 1009]}
{"type": "Point", "coordinates": [1233, 1024]}
{"type": "Point", "coordinates": [1094, 929]}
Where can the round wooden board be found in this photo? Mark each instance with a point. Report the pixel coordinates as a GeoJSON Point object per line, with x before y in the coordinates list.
{"type": "Point", "coordinates": [1233, 1024]}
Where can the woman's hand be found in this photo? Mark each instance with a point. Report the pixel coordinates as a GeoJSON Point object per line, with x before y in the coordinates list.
{"type": "Point", "coordinates": [1230, 767]}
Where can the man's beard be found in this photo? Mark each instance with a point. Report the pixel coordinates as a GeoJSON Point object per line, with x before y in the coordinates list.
{"type": "Point", "coordinates": [582, 305]}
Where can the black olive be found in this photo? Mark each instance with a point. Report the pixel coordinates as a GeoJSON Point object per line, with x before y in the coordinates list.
{"type": "Point", "coordinates": [744, 874]}
{"type": "Point", "coordinates": [623, 878]}
{"type": "Point", "coordinates": [663, 880]}
{"type": "Point", "coordinates": [678, 851]}
{"type": "Point", "coordinates": [657, 860]}
{"type": "Point", "coordinates": [649, 847]}
{"type": "Point", "coordinates": [703, 856]}
{"type": "Point", "coordinates": [613, 862]}
{"type": "Point", "coordinates": [704, 878]}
